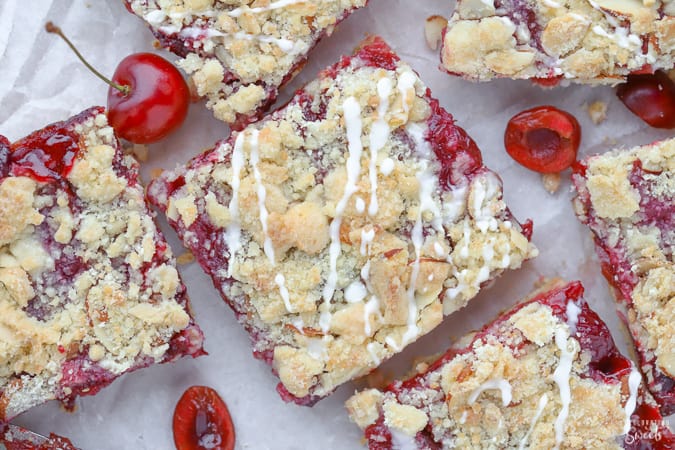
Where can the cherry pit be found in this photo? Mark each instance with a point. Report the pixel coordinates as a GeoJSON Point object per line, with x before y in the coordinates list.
{"type": "Point", "coordinates": [147, 98]}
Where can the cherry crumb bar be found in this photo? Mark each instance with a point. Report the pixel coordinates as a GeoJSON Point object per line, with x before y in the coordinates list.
{"type": "Point", "coordinates": [240, 52]}
{"type": "Point", "coordinates": [88, 286]}
{"type": "Point", "coordinates": [345, 225]}
{"type": "Point", "coordinates": [586, 41]}
{"type": "Point", "coordinates": [17, 438]}
{"type": "Point", "coordinates": [544, 375]}
{"type": "Point", "coordinates": [627, 198]}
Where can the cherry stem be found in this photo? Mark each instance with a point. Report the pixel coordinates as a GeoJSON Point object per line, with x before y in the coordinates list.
{"type": "Point", "coordinates": [51, 28]}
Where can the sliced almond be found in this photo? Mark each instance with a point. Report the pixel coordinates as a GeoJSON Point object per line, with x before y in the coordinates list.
{"type": "Point", "coordinates": [551, 182]}
{"type": "Point", "coordinates": [433, 30]}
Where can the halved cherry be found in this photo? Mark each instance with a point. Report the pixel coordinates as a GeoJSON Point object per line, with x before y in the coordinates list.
{"type": "Point", "coordinates": [544, 139]}
{"type": "Point", "coordinates": [651, 97]}
{"type": "Point", "coordinates": [202, 421]}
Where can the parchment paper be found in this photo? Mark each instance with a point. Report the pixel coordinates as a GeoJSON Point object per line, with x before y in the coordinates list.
{"type": "Point", "coordinates": [41, 81]}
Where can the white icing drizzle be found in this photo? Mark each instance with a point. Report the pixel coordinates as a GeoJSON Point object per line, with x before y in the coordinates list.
{"type": "Point", "coordinates": [355, 292]}
{"type": "Point", "coordinates": [387, 166]}
{"type": "Point", "coordinates": [233, 229]}
{"type": "Point", "coordinates": [561, 375]}
{"type": "Point", "coordinates": [438, 248]}
{"type": "Point", "coordinates": [379, 134]}
{"type": "Point", "coordinates": [406, 82]}
{"type": "Point", "coordinates": [352, 115]}
{"type": "Point", "coordinates": [367, 237]}
{"type": "Point", "coordinates": [543, 400]}
{"type": "Point", "coordinates": [272, 6]}
{"type": "Point", "coordinates": [634, 380]}
{"type": "Point", "coordinates": [299, 324]}
{"type": "Point", "coordinates": [360, 205]}
{"type": "Point", "coordinates": [262, 195]}
{"type": "Point", "coordinates": [281, 282]}
{"type": "Point", "coordinates": [372, 307]}
{"type": "Point", "coordinates": [285, 45]}
{"type": "Point", "coordinates": [462, 419]}
{"type": "Point", "coordinates": [497, 383]}
{"type": "Point", "coordinates": [373, 354]}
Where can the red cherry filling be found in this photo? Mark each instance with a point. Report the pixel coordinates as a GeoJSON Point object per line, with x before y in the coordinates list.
{"type": "Point", "coordinates": [651, 97]}
{"type": "Point", "coordinates": [46, 155]}
{"type": "Point", "coordinates": [201, 421]}
{"type": "Point", "coordinates": [544, 139]}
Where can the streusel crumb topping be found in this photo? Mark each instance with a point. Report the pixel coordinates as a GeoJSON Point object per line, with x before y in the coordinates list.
{"type": "Point", "coordinates": [80, 275]}
{"type": "Point", "coordinates": [342, 247]}
{"type": "Point", "coordinates": [238, 51]}
{"type": "Point", "coordinates": [632, 193]}
{"type": "Point", "coordinates": [523, 385]}
{"type": "Point", "coordinates": [588, 41]}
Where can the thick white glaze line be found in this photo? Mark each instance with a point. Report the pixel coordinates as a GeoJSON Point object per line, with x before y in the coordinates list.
{"type": "Point", "coordinates": [498, 383]}
{"type": "Point", "coordinates": [373, 354]}
{"type": "Point", "coordinates": [366, 240]}
{"type": "Point", "coordinates": [379, 134]}
{"type": "Point", "coordinates": [406, 82]}
{"type": "Point", "coordinates": [354, 128]}
{"type": "Point", "coordinates": [281, 282]}
{"type": "Point", "coordinates": [543, 400]}
{"type": "Point", "coordinates": [262, 196]}
{"type": "Point", "coordinates": [233, 229]}
{"type": "Point", "coordinates": [272, 6]}
{"type": "Point", "coordinates": [634, 380]}
{"type": "Point", "coordinates": [372, 307]}
{"type": "Point", "coordinates": [562, 373]}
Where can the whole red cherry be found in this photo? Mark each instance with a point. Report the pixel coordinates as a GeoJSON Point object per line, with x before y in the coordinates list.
{"type": "Point", "coordinates": [156, 102]}
{"type": "Point", "coordinates": [148, 97]}
{"type": "Point", "coordinates": [651, 97]}
{"type": "Point", "coordinates": [544, 139]}
{"type": "Point", "coordinates": [201, 420]}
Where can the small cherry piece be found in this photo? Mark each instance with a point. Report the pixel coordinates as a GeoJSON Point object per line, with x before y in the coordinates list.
{"type": "Point", "coordinates": [148, 97]}
{"type": "Point", "coordinates": [544, 139]}
{"type": "Point", "coordinates": [651, 97]}
{"type": "Point", "coordinates": [201, 421]}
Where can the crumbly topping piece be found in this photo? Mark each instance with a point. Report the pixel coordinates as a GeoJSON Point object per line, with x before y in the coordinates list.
{"type": "Point", "coordinates": [239, 52]}
{"type": "Point", "coordinates": [587, 41]}
{"type": "Point", "coordinates": [84, 274]}
{"type": "Point", "coordinates": [342, 245]}
{"type": "Point", "coordinates": [627, 198]}
{"type": "Point", "coordinates": [523, 384]}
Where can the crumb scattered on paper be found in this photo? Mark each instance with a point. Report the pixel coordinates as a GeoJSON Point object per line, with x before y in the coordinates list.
{"type": "Point", "coordinates": [551, 182]}
{"type": "Point", "coordinates": [597, 111]}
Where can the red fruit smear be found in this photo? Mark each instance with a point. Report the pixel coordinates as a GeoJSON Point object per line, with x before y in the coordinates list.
{"type": "Point", "coordinates": [651, 97]}
{"type": "Point", "coordinates": [376, 53]}
{"type": "Point", "coordinates": [5, 150]}
{"type": "Point", "coordinates": [46, 155]}
{"type": "Point", "coordinates": [544, 139]}
{"type": "Point", "coordinates": [458, 153]}
{"type": "Point", "coordinates": [157, 103]}
{"type": "Point", "coordinates": [202, 421]}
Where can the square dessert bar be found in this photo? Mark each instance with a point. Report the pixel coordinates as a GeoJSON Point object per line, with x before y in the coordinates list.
{"type": "Point", "coordinates": [544, 375]}
{"type": "Point", "coordinates": [343, 226]}
{"type": "Point", "coordinates": [88, 287]}
{"type": "Point", "coordinates": [627, 198]}
{"type": "Point", "coordinates": [586, 41]}
{"type": "Point", "coordinates": [13, 437]}
{"type": "Point", "coordinates": [240, 52]}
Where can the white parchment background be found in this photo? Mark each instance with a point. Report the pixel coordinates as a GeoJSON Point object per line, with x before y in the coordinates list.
{"type": "Point", "coordinates": [42, 82]}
